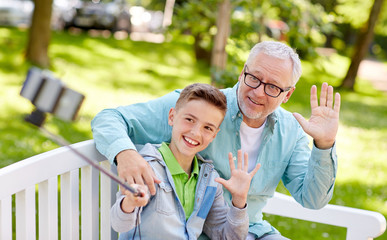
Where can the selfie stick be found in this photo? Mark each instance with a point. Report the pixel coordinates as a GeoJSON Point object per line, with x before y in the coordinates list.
{"type": "Point", "coordinates": [60, 141]}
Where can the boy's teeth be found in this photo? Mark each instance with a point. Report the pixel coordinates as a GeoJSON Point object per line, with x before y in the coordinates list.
{"type": "Point", "coordinates": [191, 141]}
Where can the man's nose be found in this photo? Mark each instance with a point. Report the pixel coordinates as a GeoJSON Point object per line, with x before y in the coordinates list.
{"type": "Point", "coordinates": [260, 90]}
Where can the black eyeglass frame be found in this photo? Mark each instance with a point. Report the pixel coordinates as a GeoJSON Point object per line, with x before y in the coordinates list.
{"type": "Point", "coordinates": [264, 84]}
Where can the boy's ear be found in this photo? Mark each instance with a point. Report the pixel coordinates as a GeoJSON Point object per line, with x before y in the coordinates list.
{"type": "Point", "coordinates": [171, 116]}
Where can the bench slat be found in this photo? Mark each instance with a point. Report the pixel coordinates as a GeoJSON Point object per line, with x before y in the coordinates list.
{"type": "Point", "coordinates": [25, 214]}
{"type": "Point", "coordinates": [6, 218]}
{"type": "Point", "coordinates": [89, 203]}
{"type": "Point", "coordinates": [48, 209]}
{"type": "Point", "coordinates": [107, 186]}
{"type": "Point", "coordinates": [69, 183]}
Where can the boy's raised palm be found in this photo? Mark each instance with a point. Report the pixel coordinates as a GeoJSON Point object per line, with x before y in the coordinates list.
{"type": "Point", "coordinates": [239, 183]}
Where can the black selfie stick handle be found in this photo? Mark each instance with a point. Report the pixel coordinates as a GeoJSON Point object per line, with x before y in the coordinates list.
{"type": "Point", "coordinates": [37, 119]}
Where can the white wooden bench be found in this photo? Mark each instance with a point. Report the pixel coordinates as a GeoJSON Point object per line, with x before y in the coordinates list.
{"type": "Point", "coordinates": [59, 182]}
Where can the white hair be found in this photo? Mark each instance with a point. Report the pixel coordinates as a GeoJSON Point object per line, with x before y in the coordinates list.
{"type": "Point", "coordinates": [278, 50]}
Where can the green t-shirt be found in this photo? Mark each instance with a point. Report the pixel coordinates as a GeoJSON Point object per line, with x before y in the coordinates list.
{"type": "Point", "coordinates": [185, 187]}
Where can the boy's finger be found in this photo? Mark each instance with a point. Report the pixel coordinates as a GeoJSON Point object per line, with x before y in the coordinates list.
{"type": "Point", "coordinates": [255, 170]}
{"type": "Point", "coordinates": [220, 180]}
{"type": "Point", "coordinates": [246, 162]}
{"type": "Point", "coordinates": [231, 161]}
{"type": "Point", "coordinates": [239, 163]}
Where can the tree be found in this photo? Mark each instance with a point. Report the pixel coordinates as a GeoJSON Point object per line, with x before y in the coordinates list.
{"type": "Point", "coordinates": [223, 24]}
{"type": "Point", "coordinates": [40, 34]}
{"type": "Point", "coordinates": [363, 41]}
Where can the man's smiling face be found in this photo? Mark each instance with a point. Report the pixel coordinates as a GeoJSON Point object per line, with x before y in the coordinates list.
{"type": "Point", "coordinates": [255, 104]}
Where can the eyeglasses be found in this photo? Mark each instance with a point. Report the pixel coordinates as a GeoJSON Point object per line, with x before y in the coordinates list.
{"type": "Point", "coordinates": [270, 89]}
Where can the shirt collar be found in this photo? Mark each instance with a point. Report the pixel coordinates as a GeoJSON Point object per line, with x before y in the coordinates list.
{"type": "Point", "coordinates": [172, 164]}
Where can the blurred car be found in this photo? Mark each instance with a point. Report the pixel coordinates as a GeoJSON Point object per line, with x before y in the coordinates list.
{"type": "Point", "coordinates": [101, 14]}
{"type": "Point", "coordinates": [16, 12]}
{"type": "Point", "coordinates": [63, 11]}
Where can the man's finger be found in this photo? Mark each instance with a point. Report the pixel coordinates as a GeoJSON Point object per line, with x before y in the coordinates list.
{"type": "Point", "coordinates": [128, 180]}
{"type": "Point", "coordinates": [138, 180]}
{"type": "Point", "coordinates": [323, 94]}
{"type": "Point", "coordinates": [330, 97]}
{"type": "Point", "coordinates": [337, 103]}
{"type": "Point", "coordinates": [313, 97]}
{"type": "Point", "coordinates": [150, 182]}
{"type": "Point", "coordinates": [301, 120]}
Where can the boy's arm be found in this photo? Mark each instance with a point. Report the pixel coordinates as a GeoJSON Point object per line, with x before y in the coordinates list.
{"type": "Point", "coordinates": [130, 201]}
{"type": "Point", "coordinates": [115, 131]}
{"type": "Point", "coordinates": [231, 222]}
{"type": "Point", "coordinates": [121, 221]}
{"type": "Point", "coordinates": [224, 222]}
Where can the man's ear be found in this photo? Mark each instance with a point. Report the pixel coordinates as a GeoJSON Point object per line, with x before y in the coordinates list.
{"type": "Point", "coordinates": [171, 116]}
{"type": "Point", "coordinates": [240, 78]}
{"type": "Point", "coordinates": [288, 94]}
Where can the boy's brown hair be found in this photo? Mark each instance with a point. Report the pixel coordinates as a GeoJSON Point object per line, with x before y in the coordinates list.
{"type": "Point", "coordinates": [206, 92]}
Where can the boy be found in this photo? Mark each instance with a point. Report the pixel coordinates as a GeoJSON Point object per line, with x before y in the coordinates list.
{"type": "Point", "coordinates": [188, 200]}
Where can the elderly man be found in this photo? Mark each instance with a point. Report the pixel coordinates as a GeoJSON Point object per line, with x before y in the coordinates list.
{"type": "Point", "coordinates": [255, 123]}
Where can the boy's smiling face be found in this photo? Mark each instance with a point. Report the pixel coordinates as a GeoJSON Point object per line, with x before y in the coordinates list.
{"type": "Point", "coordinates": [194, 126]}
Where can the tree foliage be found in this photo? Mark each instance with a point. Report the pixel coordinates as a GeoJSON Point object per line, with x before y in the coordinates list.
{"type": "Point", "coordinates": [250, 20]}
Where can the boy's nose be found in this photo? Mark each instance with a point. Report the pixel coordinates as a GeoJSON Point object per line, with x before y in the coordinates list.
{"type": "Point", "coordinates": [195, 130]}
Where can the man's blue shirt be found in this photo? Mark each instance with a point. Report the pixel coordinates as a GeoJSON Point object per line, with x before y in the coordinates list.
{"type": "Point", "coordinates": [284, 154]}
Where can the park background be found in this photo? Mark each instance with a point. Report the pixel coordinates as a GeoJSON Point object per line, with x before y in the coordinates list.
{"type": "Point", "coordinates": [113, 69]}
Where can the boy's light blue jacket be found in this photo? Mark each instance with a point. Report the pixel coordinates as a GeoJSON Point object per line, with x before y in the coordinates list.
{"type": "Point", "coordinates": [164, 218]}
{"type": "Point", "coordinates": [284, 154]}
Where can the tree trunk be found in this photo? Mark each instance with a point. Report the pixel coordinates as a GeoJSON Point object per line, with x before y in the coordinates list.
{"type": "Point", "coordinates": [363, 41]}
{"type": "Point", "coordinates": [40, 34]}
{"type": "Point", "coordinates": [201, 53]}
{"type": "Point", "coordinates": [219, 55]}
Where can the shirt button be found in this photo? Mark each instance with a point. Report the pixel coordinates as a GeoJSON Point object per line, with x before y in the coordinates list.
{"type": "Point", "coordinates": [237, 133]}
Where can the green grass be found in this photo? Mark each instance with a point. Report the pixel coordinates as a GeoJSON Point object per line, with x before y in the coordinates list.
{"type": "Point", "coordinates": [113, 72]}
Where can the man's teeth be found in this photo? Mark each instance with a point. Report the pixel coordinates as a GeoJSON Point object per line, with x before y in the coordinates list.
{"type": "Point", "coordinates": [254, 101]}
{"type": "Point", "coordinates": [191, 141]}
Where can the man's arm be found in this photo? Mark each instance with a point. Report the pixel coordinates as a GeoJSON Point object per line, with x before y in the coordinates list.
{"type": "Point", "coordinates": [310, 175]}
{"type": "Point", "coordinates": [313, 186]}
{"type": "Point", "coordinates": [115, 132]}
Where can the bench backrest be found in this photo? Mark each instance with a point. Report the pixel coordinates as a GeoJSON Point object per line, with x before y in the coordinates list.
{"type": "Point", "coordinates": [58, 195]}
